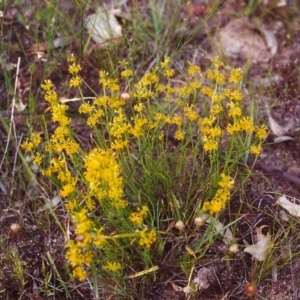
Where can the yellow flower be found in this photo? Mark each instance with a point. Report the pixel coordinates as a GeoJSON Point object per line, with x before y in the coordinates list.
{"type": "Point", "coordinates": [27, 146]}
{"type": "Point", "coordinates": [169, 73]}
{"type": "Point", "coordinates": [126, 73]}
{"type": "Point", "coordinates": [124, 63]}
{"type": "Point", "coordinates": [235, 76]}
{"type": "Point", "coordinates": [185, 90]}
{"type": "Point", "coordinates": [73, 253]}
{"type": "Point", "coordinates": [216, 206]}
{"type": "Point", "coordinates": [161, 136]}
{"type": "Point", "coordinates": [48, 85]}
{"type": "Point", "coordinates": [190, 113]}
{"type": "Point", "coordinates": [217, 98]}
{"type": "Point", "coordinates": [217, 62]}
{"type": "Point", "coordinates": [215, 132]}
{"type": "Point", "coordinates": [209, 144]}
{"type": "Point", "coordinates": [236, 95]}
{"type": "Point", "coordinates": [59, 114]}
{"type": "Point", "coordinates": [36, 139]}
{"type": "Point", "coordinates": [216, 109]}
{"type": "Point", "coordinates": [71, 147]}
{"type": "Point", "coordinates": [32, 143]}
{"type": "Point", "coordinates": [101, 101]}
{"type": "Point", "coordinates": [193, 69]}
{"type": "Point", "coordinates": [149, 78]}
{"type": "Point", "coordinates": [234, 110]}
{"type": "Point", "coordinates": [71, 58]}
{"type": "Point", "coordinates": [179, 135]}
{"type": "Point", "coordinates": [75, 81]}
{"type": "Point", "coordinates": [256, 149]}
{"type": "Point", "coordinates": [226, 182]}
{"type": "Point", "coordinates": [261, 132]}
{"type": "Point", "coordinates": [85, 108]}
{"type": "Point", "coordinates": [165, 64]}
{"type": "Point", "coordinates": [90, 204]}
{"type": "Point", "coordinates": [219, 77]}
{"type": "Point", "coordinates": [119, 145]}
{"type": "Point", "coordinates": [37, 158]}
{"type": "Point", "coordinates": [139, 107]}
{"type": "Point", "coordinates": [138, 127]}
{"type": "Point", "coordinates": [206, 206]}
{"type": "Point", "coordinates": [169, 90]}
{"type": "Point", "coordinates": [147, 239]}
{"type": "Point", "coordinates": [112, 266]}
{"type": "Point", "coordinates": [233, 128]}
{"type": "Point", "coordinates": [51, 97]}
{"type": "Point", "coordinates": [98, 238]}
{"type": "Point", "coordinates": [137, 217]}
{"type": "Point", "coordinates": [79, 273]}
{"type": "Point", "coordinates": [246, 124]}
{"type": "Point", "coordinates": [67, 189]}
{"type": "Point", "coordinates": [207, 121]}
{"type": "Point", "coordinates": [160, 88]}
{"type": "Point", "coordinates": [195, 85]}
{"type": "Point", "coordinates": [207, 91]}
{"type": "Point", "coordinates": [177, 120]}
{"type": "Point", "coordinates": [103, 177]}
{"type": "Point", "coordinates": [95, 117]}
{"type": "Point", "coordinates": [74, 68]}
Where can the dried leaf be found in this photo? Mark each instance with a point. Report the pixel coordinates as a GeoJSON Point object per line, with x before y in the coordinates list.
{"type": "Point", "coordinates": [55, 201]}
{"type": "Point", "coordinates": [280, 129]}
{"type": "Point", "coordinates": [58, 42]}
{"type": "Point", "coordinates": [292, 208]}
{"type": "Point", "coordinates": [283, 138]}
{"type": "Point", "coordinates": [227, 234]}
{"type": "Point", "coordinates": [20, 106]}
{"type": "Point", "coordinates": [205, 277]}
{"type": "Point", "coordinates": [176, 287]}
{"type": "Point", "coordinates": [187, 289]}
{"type": "Point", "coordinates": [261, 248]}
{"type": "Point", "coordinates": [103, 26]}
{"type": "Point", "coordinates": [270, 39]}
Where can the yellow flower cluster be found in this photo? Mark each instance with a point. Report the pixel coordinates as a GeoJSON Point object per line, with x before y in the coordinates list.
{"type": "Point", "coordinates": [61, 139]}
{"type": "Point", "coordinates": [222, 196]}
{"type": "Point", "coordinates": [147, 238]}
{"type": "Point", "coordinates": [79, 253]}
{"type": "Point", "coordinates": [32, 143]}
{"type": "Point", "coordinates": [112, 266]}
{"type": "Point", "coordinates": [226, 101]}
{"type": "Point", "coordinates": [74, 69]}
{"type": "Point", "coordinates": [78, 259]}
{"type": "Point", "coordinates": [103, 178]}
{"type": "Point", "coordinates": [137, 217]}
{"type": "Point", "coordinates": [91, 181]}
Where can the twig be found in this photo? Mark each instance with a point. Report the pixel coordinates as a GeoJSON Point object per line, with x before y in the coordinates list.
{"type": "Point", "coordinates": [12, 123]}
{"type": "Point", "coordinates": [66, 100]}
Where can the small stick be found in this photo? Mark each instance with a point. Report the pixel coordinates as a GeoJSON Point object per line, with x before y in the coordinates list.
{"type": "Point", "coordinates": [12, 123]}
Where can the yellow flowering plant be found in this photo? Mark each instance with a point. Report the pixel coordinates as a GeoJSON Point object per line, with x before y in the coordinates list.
{"type": "Point", "coordinates": [161, 154]}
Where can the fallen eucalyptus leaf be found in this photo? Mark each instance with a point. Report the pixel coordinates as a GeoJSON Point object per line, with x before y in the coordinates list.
{"type": "Point", "coordinates": [270, 39]}
{"type": "Point", "coordinates": [205, 277]}
{"type": "Point", "coordinates": [176, 287]}
{"type": "Point", "coordinates": [219, 227]}
{"type": "Point", "coordinates": [103, 26]}
{"type": "Point", "coordinates": [20, 106]}
{"type": "Point", "coordinates": [292, 208]}
{"type": "Point", "coordinates": [261, 248]}
{"type": "Point", "coordinates": [283, 138]}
